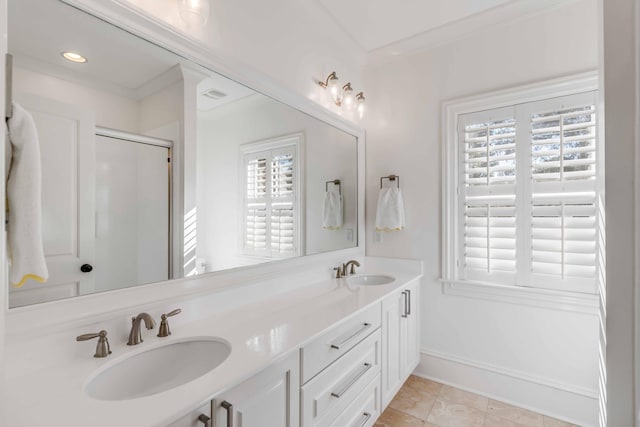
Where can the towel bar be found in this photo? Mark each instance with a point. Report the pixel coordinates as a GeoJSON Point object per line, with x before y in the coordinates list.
{"type": "Point", "coordinates": [390, 178]}
{"type": "Point", "coordinates": [334, 182]}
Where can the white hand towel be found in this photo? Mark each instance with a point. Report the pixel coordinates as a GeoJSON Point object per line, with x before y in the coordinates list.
{"type": "Point", "coordinates": [332, 210]}
{"type": "Point", "coordinates": [390, 212]}
{"type": "Point", "coordinates": [24, 187]}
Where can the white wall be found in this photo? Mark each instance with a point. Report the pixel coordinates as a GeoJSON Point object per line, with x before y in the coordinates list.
{"type": "Point", "coordinates": [328, 152]}
{"type": "Point", "coordinates": [112, 110]}
{"type": "Point", "coordinates": [620, 76]}
{"type": "Point", "coordinates": [547, 358]}
{"type": "Point", "coordinates": [3, 292]}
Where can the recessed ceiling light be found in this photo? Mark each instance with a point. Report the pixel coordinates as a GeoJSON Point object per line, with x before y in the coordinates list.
{"type": "Point", "coordinates": [74, 57]}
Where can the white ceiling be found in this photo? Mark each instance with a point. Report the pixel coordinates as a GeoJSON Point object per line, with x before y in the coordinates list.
{"type": "Point", "coordinates": [374, 24]}
{"type": "Point", "coordinates": [393, 27]}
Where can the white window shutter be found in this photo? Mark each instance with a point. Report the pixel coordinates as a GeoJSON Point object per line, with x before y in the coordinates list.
{"type": "Point", "coordinates": [528, 206]}
{"type": "Point", "coordinates": [282, 219]}
{"type": "Point", "coordinates": [270, 202]}
{"type": "Point", "coordinates": [487, 197]}
{"type": "Point", "coordinates": [563, 202]}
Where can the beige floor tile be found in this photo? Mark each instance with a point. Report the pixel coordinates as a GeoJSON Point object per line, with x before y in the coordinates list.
{"type": "Point", "coordinates": [452, 414]}
{"type": "Point", "coordinates": [414, 401]}
{"type": "Point", "coordinates": [454, 395]}
{"type": "Point", "coordinates": [519, 416]}
{"type": "Point", "coordinates": [493, 421]}
{"type": "Point", "coordinates": [423, 384]}
{"type": "Point", "coordinates": [392, 418]}
{"type": "Point", "coordinates": [552, 422]}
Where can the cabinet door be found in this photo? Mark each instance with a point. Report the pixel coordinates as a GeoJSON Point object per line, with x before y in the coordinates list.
{"type": "Point", "coordinates": [392, 354]}
{"type": "Point", "coordinates": [411, 329]}
{"type": "Point", "coordinates": [192, 418]}
{"type": "Point", "coordinates": [268, 399]}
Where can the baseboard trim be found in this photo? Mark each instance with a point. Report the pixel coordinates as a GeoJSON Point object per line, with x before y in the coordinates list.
{"type": "Point", "coordinates": [576, 405]}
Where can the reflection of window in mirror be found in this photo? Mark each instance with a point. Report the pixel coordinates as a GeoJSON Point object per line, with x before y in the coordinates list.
{"type": "Point", "coordinates": [271, 206]}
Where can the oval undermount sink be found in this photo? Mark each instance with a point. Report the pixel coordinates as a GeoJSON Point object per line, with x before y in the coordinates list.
{"type": "Point", "coordinates": [158, 369]}
{"type": "Point", "coordinates": [370, 279]}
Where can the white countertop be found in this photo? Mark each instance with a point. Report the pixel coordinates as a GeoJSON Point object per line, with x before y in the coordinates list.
{"type": "Point", "coordinates": [259, 334]}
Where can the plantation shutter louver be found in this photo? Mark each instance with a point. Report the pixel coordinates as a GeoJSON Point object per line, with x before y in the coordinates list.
{"type": "Point", "coordinates": [528, 184]}
{"type": "Point", "coordinates": [488, 196]}
{"type": "Point", "coordinates": [270, 202]}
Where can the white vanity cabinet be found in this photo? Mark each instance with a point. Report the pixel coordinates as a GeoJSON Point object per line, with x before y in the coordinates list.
{"type": "Point", "coordinates": [341, 373]}
{"type": "Point", "coordinates": [400, 338]}
{"type": "Point", "coordinates": [268, 399]}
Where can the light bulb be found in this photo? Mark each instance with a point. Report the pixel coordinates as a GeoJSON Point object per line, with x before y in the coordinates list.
{"type": "Point", "coordinates": [335, 90]}
{"type": "Point", "coordinates": [360, 104]}
{"type": "Point", "coordinates": [347, 98]}
{"type": "Point", "coordinates": [194, 12]}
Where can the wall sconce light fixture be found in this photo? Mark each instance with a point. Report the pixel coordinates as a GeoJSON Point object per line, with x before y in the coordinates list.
{"type": "Point", "coordinates": [194, 12]}
{"type": "Point", "coordinates": [343, 96]}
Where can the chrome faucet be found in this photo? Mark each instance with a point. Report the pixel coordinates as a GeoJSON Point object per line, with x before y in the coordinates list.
{"type": "Point", "coordinates": [135, 336]}
{"type": "Point", "coordinates": [353, 263]}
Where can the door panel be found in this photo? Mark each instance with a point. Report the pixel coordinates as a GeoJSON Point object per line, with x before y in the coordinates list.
{"type": "Point", "coordinates": [67, 142]}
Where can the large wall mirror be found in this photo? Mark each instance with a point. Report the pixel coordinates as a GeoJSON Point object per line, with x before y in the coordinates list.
{"type": "Point", "coordinates": [155, 168]}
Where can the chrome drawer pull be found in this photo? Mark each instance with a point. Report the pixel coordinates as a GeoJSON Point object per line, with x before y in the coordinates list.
{"type": "Point", "coordinates": [404, 312]}
{"type": "Point", "coordinates": [339, 345]}
{"type": "Point", "coordinates": [352, 381]}
{"type": "Point", "coordinates": [409, 305]}
{"type": "Point", "coordinates": [365, 418]}
{"type": "Point", "coordinates": [229, 408]}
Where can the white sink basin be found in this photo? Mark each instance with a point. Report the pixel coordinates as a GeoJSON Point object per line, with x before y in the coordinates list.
{"type": "Point", "coordinates": [158, 369]}
{"type": "Point", "coordinates": [370, 279]}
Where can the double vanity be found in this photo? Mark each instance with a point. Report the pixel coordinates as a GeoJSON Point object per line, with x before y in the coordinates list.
{"type": "Point", "coordinates": [328, 353]}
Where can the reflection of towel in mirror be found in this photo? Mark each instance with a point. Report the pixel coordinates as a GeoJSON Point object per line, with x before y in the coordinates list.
{"type": "Point", "coordinates": [24, 233]}
{"type": "Point", "coordinates": [332, 210]}
{"type": "Point", "coordinates": [390, 213]}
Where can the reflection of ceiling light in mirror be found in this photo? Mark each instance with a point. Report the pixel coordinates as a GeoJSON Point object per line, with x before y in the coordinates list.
{"type": "Point", "coordinates": [74, 57]}
{"type": "Point", "coordinates": [194, 12]}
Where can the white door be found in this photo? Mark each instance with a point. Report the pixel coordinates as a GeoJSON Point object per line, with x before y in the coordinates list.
{"type": "Point", "coordinates": [67, 146]}
{"type": "Point", "coordinates": [132, 213]}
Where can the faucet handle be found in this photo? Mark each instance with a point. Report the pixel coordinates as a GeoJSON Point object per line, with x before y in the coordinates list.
{"type": "Point", "coordinates": [338, 271]}
{"type": "Point", "coordinates": [163, 330]}
{"type": "Point", "coordinates": [103, 349]}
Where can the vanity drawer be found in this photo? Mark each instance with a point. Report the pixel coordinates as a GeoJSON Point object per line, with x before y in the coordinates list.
{"type": "Point", "coordinates": [364, 410]}
{"type": "Point", "coordinates": [332, 391]}
{"type": "Point", "coordinates": [322, 351]}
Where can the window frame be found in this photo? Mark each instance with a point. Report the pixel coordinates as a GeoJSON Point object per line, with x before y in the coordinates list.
{"type": "Point", "coordinates": [291, 141]}
{"type": "Point", "coordinates": [451, 112]}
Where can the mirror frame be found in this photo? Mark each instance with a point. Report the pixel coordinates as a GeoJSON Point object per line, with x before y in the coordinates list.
{"type": "Point", "coordinates": [100, 306]}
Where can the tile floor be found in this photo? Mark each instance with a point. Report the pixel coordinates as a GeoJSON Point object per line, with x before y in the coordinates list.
{"type": "Point", "coordinates": [424, 403]}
